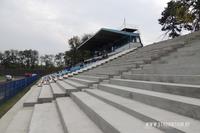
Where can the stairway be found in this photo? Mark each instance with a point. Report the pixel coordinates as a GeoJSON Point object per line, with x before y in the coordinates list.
{"type": "Point", "coordinates": [137, 92]}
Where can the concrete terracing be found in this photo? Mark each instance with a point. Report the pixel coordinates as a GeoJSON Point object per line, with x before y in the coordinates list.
{"type": "Point", "coordinates": [131, 91]}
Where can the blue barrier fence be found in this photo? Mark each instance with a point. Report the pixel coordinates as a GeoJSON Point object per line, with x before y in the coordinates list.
{"type": "Point", "coordinates": [10, 89]}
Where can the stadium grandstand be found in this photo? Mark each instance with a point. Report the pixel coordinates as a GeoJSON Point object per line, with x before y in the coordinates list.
{"type": "Point", "coordinates": [106, 43]}
{"type": "Point", "coordinates": [112, 40]}
{"type": "Point", "coordinates": [150, 89]}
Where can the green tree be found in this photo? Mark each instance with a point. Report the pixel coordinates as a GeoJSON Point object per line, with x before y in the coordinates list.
{"type": "Point", "coordinates": [47, 60]}
{"type": "Point", "coordinates": [30, 58]}
{"type": "Point", "coordinates": [6, 59]}
{"type": "Point", "coordinates": [176, 17]}
{"type": "Point", "coordinates": [1, 57]}
{"type": "Point", "coordinates": [85, 37]}
{"type": "Point", "coordinates": [34, 60]}
{"type": "Point", "coordinates": [195, 5]}
{"type": "Point", "coordinates": [74, 43]}
{"type": "Point", "coordinates": [59, 59]}
{"type": "Point", "coordinates": [74, 55]}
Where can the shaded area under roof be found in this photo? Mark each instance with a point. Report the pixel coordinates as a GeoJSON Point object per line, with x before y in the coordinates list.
{"type": "Point", "coordinates": [106, 37]}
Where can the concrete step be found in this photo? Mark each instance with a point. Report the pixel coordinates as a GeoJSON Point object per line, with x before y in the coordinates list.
{"type": "Point", "coordinates": [45, 119]}
{"type": "Point", "coordinates": [75, 84]}
{"type": "Point", "coordinates": [137, 62]}
{"type": "Point", "coordinates": [132, 60]}
{"type": "Point", "coordinates": [125, 64]}
{"type": "Point", "coordinates": [180, 60]}
{"type": "Point", "coordinates": [20, 122]}
{"type": "Point", "coordinates": [45, 94]}
{"type": "Point", "coordinates": [175, 69]}
{"type": "Point", "coordinates": [182, 53]}
{"type": "Point", "coordinates": [104, 73]}
{"type": "Point", "coordinates": [121, 67]}
{"type": "Point", "coordinates": [144, 59]}
{"type": "Point", "coordinates": [32, 99]}
{"type": "Point", "coordinates": [187, 50]}
{"type": "Point", "coordinates": [110, 69]}
{"type": "Point", "coordinates": [84, 81]}
{"type": "Point", "coordinates": [194, 46]}
{"type": "Point", "coordinates": [66, 87]}
{"type": "Point", "coordinates": [191, 62]}
{"type": "Point", "coordinates": [108, 118]}
{"type": "Point", "coordinates": [93, 78]}
{"type": "Point", "coordinates": [179, 104]}
{"type": "Point", "coordinates": [185, 79]}
{"type": "Point", "coordinates": [96, 75]}
{"type": "Point", "coordinates": [109, 72]}
{"type": "Point", "coordinates": [150, 54]}
{"type": "Point", "coordinates": [147, 113]}
{"type": "Point", "coordinates": [172, 88]}
{"type": "Point", "coordinates": [73, 119]}
{"type": "Point", "coordinates": [57, 91]}
{"type": "Point", "coordinates": [170, 66]}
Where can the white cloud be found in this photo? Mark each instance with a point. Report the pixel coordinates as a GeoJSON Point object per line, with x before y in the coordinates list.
{"type": "Point", "coordinates": [46, 25]}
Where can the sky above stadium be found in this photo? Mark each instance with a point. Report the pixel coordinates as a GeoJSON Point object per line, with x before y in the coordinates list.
{"type": "Point", "coordinates": [46, 25]}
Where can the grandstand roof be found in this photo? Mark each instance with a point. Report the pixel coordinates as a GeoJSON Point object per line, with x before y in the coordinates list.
{"type": "Point", "coordinates": [106, 37]}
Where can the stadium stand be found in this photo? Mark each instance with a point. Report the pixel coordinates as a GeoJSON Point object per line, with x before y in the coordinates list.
{"type": "Point", "coordinates": [153, 89]}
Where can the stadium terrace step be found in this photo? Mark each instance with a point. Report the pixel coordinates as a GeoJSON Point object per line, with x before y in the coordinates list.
{"type": "Point", "coordinates": [164, 46]}
{"type": "Point", "coordinates": [194, 46]}
{"type": "Point", "coordinates": [147, 113]}
{"type": "Point", "coordinates": [150, 54]}
{"type": "Point", "coordinates": [144, 59]}
{"type": "Point", "coordinates": [74, 120]}
{"type": "Point", "coordinates": [117, 65]}
{"type": "Point", "coordinates": [170, 66]}
{"type": "Point", "coordinates": [105, 72]}
{"type": "Point", "coordinates": [110, 69]}
{"type": "Point", "coordinates": [57, 91]}
{"type": "Point", "coordinates": [184, 60]}
{"type": "Point", "coordinates": [20, 122]}
{"type": "Point", "coordinates": [132, 60]}
{"type": "Point", "coordinates": [179, 104]}
{"type": "Point", "coordinates": [96, 75]}
{"type": "Point", "coordinates": [45, 94]}
{"type": "Point", "coordinates": [32, 99]}
{"type": "Point", "coordinates": [185, 79]}
{"type": "Point", "coordinates": [138, 93]}
{"type": "Point", "coordinates": [84, 81]}
{"type": "Point", "coordinates": [162, 52]}
{"type": "Point", "coordinates": [45, 119]}
{"type": "Point", "coordinates": [175, 69]}
{"type": "Point", "coordinates": [102, 62]}
{"type": "Point", "coordinates": [94, 78]}
{"type": "Point", "coordinates": [66, 87]}
{"type": "Point", "coordinates": [75, 84]}
{"type": "Point", "coordinates": [108, 118]}
{"type": "Point", "coordinates": [172, 88]}
{"type": "Point", "coordinates": [187, 51]}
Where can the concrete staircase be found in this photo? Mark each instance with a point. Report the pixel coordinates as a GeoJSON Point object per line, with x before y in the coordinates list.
{"type": "Point", "coordinates": [153, 89]}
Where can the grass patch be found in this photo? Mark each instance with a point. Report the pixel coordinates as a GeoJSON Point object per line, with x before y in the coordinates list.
{"type": "Point", "coordinates": [2, 77]}
{"type": "Point", "coordinates": [4, 107]}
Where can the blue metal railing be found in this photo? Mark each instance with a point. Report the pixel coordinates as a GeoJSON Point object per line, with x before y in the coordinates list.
{"type": "Point", "coordinates": [10, 89]}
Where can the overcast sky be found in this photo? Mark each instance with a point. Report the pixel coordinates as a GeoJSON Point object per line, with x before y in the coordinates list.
{"type": "Point", "coordinates": [46, 25]}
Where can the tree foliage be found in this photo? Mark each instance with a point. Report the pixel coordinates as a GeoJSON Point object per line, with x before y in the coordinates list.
{"type": "Point", "coordinates": [86, 37]}
{"type": "Point", "coordinates": [180, 15]}
{"type": "Point", "coordinates": [74, 56]}
{"type": "Point", "coordinates": [195, 8]}
{"type": "Point", "coordinates": [22, 59]}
